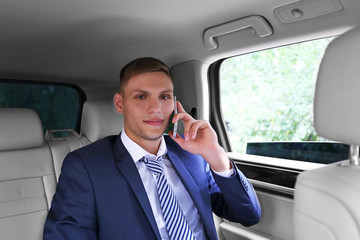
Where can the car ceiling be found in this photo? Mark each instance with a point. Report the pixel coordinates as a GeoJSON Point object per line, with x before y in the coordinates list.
{"type": "Point", "coordinates": [86, 42]}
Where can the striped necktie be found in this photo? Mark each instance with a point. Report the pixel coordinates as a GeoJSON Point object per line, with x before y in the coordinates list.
{"type": "Point", "coordinates": [176, 224]}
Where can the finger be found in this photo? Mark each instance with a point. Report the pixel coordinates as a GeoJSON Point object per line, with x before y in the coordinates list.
{"type": "Point", "coordinates": [180, 107]}
{"type": "Point", "coordinates": [181, 116]}
{"type": "Point", "coordinates": [179, 140]}
{"type": "Point", "coordinates": [195, 127]}
{"type": "Point", "coordinates": [186, 131]}
{"type": "Point", "coordinates": [191, 130]}
{"type": "Point", "coordinates": [186, 118]}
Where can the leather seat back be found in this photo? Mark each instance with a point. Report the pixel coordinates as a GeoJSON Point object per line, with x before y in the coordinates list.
{"type": "Point", "coordinates": [100, 119]}
{"type": "Point", "coordinates": [327, 199]}
{"type": "Point", "coordinates": [27, 178]}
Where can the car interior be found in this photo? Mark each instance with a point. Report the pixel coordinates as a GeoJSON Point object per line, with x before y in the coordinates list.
{"type": "Point", "coordinates": [59, 70]}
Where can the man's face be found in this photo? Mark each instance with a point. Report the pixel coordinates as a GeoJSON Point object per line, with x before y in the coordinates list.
{"type": "Point", "coordinates": [147, 103]}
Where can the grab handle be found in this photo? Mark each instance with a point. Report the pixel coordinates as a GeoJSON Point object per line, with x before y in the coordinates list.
{"type": "Point", "coordinates": [258, 23]}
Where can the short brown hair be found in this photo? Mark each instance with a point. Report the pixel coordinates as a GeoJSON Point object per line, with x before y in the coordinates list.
{"type": "Point", "coordinates": [142, 65]}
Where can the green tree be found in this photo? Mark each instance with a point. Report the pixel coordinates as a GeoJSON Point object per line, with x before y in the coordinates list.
{"type": "Point", "coordinates": [268, 95]}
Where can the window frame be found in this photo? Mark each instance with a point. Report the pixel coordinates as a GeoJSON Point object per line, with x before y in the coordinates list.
{"type": "Point", "coordinates": [285, 170]}
{"type": "Point", "coordinates": [216, 117]}
{"type": "Point", "coordinates": [242, 161]}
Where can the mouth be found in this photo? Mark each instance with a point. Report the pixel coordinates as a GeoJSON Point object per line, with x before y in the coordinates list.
{"type": "Point", "coordinates": [154, 122]}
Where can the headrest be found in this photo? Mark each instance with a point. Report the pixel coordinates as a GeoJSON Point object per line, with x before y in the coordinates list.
{"type": "Point", "coordinates": [20, 128]}
{"type": "Point", "coordinates": [337, 94]}
{"type": "Point", "coordinates": [100, 119]}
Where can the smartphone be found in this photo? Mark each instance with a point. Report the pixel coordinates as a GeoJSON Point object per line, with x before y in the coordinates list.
{"type": "Point", "coordinates": [176, 124]}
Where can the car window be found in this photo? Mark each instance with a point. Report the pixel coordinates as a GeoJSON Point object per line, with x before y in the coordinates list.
{"type": "Point", "coordinates": [267, 103]}
{"type": "Point", "coordinates": [58, 106]}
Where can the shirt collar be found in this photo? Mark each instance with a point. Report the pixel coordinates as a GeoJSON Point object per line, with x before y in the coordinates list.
{"type": "Point", "coordinates": [137, 152]}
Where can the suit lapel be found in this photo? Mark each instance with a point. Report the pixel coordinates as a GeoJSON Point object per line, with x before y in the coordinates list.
{"type": "Point", "coordinates": [127, 168]}
{"type": "Point", "coordinates": [184, 175]}
{"type": "Point", "coordinates": [192, 188]}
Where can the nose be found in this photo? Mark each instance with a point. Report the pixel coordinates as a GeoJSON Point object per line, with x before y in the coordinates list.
{"type": "Point", "coordinates": [154, 106]}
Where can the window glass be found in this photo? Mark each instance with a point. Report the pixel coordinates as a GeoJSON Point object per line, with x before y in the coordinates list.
{"type": "Point", "coordinates": [58, 106]}
{"type": "Point", "coordinates": [267, 101]}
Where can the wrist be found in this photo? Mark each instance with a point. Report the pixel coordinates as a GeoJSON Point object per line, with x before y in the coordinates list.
{"type": "Point", "coordinates": [217, 159]}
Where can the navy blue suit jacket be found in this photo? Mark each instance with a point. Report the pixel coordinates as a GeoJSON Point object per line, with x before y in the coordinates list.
{"type": "Point", "coordinates": [100, 194]}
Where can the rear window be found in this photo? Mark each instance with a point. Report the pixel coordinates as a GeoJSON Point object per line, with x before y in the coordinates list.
{"type": "Point", "coordinates": [267, 103]}
{"type": "Point", "coordinates": [58, 106]}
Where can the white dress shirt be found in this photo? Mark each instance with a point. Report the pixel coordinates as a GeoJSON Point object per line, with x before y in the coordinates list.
{"type": "Point", "coordinates": [149, 180]}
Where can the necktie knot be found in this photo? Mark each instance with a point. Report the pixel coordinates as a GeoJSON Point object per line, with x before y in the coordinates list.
{"type": "Point", "coordinates": [154, 165]}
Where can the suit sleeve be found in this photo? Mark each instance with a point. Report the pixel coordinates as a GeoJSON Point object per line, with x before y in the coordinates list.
{"type": "Point", "coordinates": [72, 211]}
{"type": "Point", "coordinates": [234, 198]}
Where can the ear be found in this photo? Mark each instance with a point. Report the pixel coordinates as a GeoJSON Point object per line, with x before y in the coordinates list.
{"type": "Point", "coordinates": [118, 103]}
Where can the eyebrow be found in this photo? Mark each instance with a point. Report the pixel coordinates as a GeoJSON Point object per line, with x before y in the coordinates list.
{"type": "Point", "coordinates": [144, 91]}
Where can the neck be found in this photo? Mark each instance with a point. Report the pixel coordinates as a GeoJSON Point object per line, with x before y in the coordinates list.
{"type": "Point", "coordinates": [150, 145]}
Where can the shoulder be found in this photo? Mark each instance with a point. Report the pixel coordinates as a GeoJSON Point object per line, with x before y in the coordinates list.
{"type": "Point", "coordinates": [101, 146]}
{"type": "Point", "coordinates": [101, 149]}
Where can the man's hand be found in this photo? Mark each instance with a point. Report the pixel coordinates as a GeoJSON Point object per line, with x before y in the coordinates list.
{"type": "Point", "coordinates": [200, 138]}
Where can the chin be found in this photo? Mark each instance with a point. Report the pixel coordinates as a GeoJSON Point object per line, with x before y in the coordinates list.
{"type": "Point", "coordinates": [154, 135]}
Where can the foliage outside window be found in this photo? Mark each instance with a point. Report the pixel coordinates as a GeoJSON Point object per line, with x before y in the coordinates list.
{"type": "Point", "coordinates": [58, 106]}
{"type": "Point", "coordinates": [268, 96]}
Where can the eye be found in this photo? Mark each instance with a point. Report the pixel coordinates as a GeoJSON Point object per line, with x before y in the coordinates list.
{"type": "Point", "coordinates": [165, 97]}
{"type": "Point", "coordinates": [141, 97]}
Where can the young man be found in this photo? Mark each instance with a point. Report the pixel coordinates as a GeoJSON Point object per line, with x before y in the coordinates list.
{"type": "Point", "coordinates": [143, 185]}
